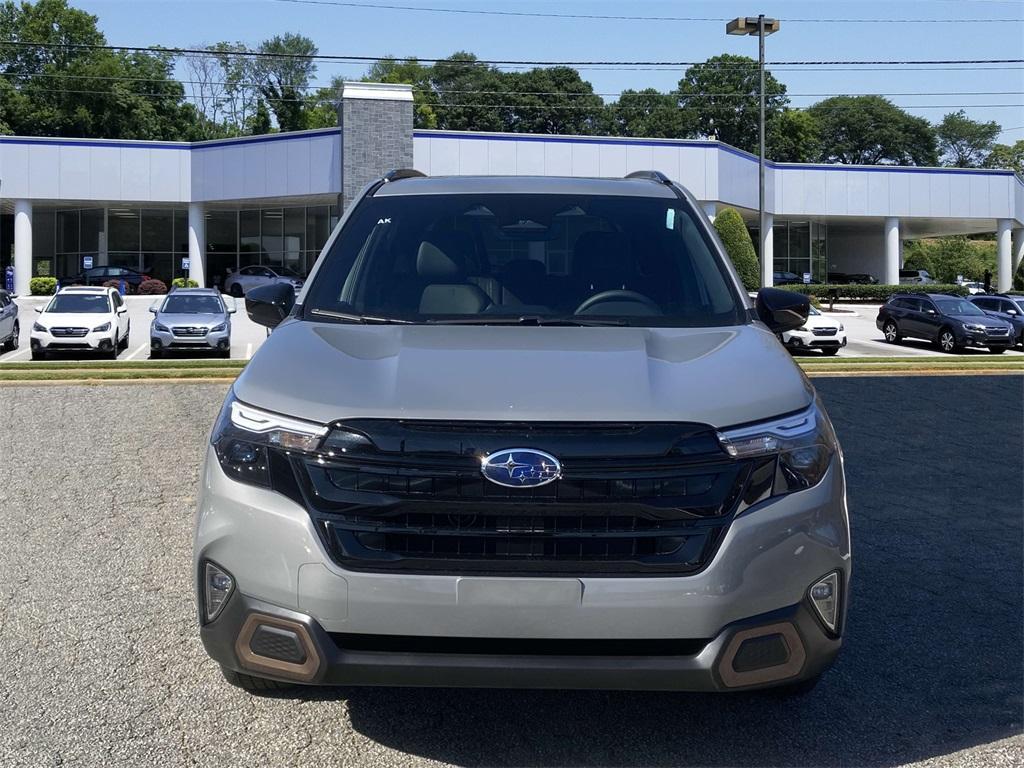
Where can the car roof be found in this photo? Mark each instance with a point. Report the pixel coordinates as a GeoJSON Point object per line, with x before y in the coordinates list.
{"type": "Point", "coordinates": [539, 185]}
{"type": "Point", "coordinates": [200, 291]}
{"type": "Point", "coordinates": [85, 289]}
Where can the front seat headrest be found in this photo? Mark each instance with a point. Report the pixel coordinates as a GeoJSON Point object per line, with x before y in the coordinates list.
{"type": "Point", "coordinates": [445, 256]}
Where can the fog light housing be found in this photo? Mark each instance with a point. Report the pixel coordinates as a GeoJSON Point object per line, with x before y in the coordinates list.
{"type": "Point", "coordinates": [218, 585]}
{"type": "Point", "coordinates": [824, 595]}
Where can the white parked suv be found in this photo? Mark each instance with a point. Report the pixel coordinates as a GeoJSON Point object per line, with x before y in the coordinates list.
{"type": "Point", "coordinates": [80, 318]}
{"type": "Point", "coordinates": [819, 332]}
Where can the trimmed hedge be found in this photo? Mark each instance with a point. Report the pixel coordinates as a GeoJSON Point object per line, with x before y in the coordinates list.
{"type": "Point", "coordinates": [152, 287]}
{"type": "Point", "coordinates": [182, 282]}
{"type": "Point", "coordinates": [736, 239]}
{"type": "Point", "coordinates": [42, 286]}
{"type": "Point", "coordinates": [879, 293]}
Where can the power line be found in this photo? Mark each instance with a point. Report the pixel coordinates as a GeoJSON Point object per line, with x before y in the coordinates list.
{"type": "Point", "coordinates": [617, 94]}
{"type": "Point", "coordinates": [603, 17]}
{"type": "Point", "coordinates": [539, 63]}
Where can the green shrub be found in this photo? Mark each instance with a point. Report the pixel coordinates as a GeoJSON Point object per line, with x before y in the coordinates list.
{"type": "Point", "coordinates": [42, 286]}
{"type": "Point", "coordinates": [736, 239]}
{"type": "Point", "coordinates": [152, 287]}
{"type": "Point", "coordinates": [879, 293]}
{"type": "Point", "coordinates": [184, 282]}
{"type": "Point", "coordinates": [946, 258]}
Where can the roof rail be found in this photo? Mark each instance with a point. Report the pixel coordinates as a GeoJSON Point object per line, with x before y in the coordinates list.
{"type": "Point", "coordinates": [657, 176]}
{"type": "Point", "coordinates": [397, 174]}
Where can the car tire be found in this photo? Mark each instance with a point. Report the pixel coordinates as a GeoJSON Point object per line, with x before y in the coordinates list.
{"type": "Point", "coordinates": [38, 354]}
{"type": "Point", "coordinates": [996, 350]}
{"type": "Point", "coordinates": [891, 331]}
{"type": "Point", "coordinates": [225, 353]}
{"type": "Point", "coordinates": [155, 354]}
{"type": "Point", "coordinates": [236, 290]}
{"type": "Point", "coordinates": [124, 341]}
{"type": "Point", "coordinates": [829, 351]}
{"type": "Point", "coordinates": [946, 341]}
{"type": "Point", "coordinates": [253, 684]}
{"type": "Point", "coordinates": [11, 343]}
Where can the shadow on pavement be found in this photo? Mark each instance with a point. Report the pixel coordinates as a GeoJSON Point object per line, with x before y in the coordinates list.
{"type": "Point", "coordinates": [933, 655]}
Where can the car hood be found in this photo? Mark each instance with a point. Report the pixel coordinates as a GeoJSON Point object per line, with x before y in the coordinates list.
{"type": "Point", "coordinates": [719, 376]}
{"type": "Point", "coordinates": [192, 319]}
{"type": "Point", "coordinates": [987, 320]}
{"type": "Point", "coordinates": [75, 319]}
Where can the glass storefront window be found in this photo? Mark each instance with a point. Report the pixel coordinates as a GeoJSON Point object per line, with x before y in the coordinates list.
{"type": "Point", "coordinates": [249, 238]}
{"type": "Point", "coordinates": [221, 232]}
{"type": "Point", "coordinates": [181, 232]}
{"type": "Point", "coordinates": [67, 232]}
{"type": "Point", "coordinates": [271, 236]}
{"type": "Point", "coordinates": [157, 230]}
{"type": "Point", "coordinates": [123, 226]}
{"type": "Point", "coordinates": [93, 239]}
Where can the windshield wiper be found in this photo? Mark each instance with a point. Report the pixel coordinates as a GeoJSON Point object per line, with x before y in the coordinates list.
{"type": "Point", "coordinates": [572, 320]}
{"type": "Point", "coordinates": [354, 318]}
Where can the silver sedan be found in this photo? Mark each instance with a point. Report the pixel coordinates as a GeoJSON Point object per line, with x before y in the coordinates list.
{"type": "Point", "coordinates": [244, 280]}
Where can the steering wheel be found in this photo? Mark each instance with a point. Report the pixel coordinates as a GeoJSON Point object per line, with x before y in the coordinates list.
{"type": "Point", "coordinates": [620, 295]}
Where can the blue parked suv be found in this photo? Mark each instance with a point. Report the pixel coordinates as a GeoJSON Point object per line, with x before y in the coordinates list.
{"type": "Point", "coordinates": [1009, 309]}
{"type": "Point", "coordinates": [950, 322]}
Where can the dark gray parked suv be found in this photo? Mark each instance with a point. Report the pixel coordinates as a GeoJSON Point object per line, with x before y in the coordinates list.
{"type": "Point", "coordinates": [523, 432]}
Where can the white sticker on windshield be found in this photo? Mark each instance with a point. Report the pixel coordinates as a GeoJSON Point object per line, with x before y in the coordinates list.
{"type": "Point", "coordinates": [670, 218]}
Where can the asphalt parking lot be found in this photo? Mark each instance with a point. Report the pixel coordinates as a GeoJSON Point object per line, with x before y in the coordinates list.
{"type": "Point", "coordinates": [103, 666]}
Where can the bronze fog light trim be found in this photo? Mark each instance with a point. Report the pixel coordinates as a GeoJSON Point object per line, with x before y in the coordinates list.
{"type": "Point", "coordinates": [303, 672]}
{"type": "Point", "coordinates": [791, 667]}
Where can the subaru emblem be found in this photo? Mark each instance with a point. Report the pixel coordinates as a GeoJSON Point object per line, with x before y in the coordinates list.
{"type": "Point", "coordinates": [520, 468]}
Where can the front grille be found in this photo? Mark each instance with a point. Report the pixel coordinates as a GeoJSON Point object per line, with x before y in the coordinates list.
{"type": "Point", "coordinates": [998, 331]}
{"type": "Point", "coordinates": [517, 646]}
{"type": "Point", "coordinates": [632, 498]}
{"type": "Point", "coordinates": [825, 331]}
{"type": "Point", "coordinates": [69, 332]}
{"type": "Point", "coordinates": [189, 331]}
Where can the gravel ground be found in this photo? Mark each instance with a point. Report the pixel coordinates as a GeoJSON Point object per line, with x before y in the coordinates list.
{"type": "Point", "coordinates": [103, 666]}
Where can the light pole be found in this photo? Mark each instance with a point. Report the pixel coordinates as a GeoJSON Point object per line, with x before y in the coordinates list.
{"type": "Point", "coordinates": [762, 27]}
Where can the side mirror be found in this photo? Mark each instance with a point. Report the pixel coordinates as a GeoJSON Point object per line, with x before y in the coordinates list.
{"type": "Point", "coordinates": [270, 304]}
{"type": "Point", "coordinates": [782, 310]}
{"type": "Point", "coordinates": [231, 310]}
{"type": "Point", "coordinates": [122, 309]}
{"type": "Point", "coordinates": [40, 310]}
{"type": "Point", "coordinates": [1012, 312]}
{"type": "Point", "coordinates": [931, 311]}
{"type": "Point", "coordinates": [153, 309]}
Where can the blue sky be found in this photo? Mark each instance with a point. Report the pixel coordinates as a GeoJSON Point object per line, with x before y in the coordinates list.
{"type": "Point", "coordinates": [366, 31]}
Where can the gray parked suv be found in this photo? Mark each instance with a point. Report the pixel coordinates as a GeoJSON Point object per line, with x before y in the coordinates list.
{"type": "Point", "coordinates": [523, 432]}
{"type": "Point", "coordinates": [191, 319]}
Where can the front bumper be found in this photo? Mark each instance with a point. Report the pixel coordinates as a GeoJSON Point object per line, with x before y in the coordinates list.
{"type": "Point", "coordinates": [759, 577]}
{"type": "Point", "coordinates": [160, 340]}
{"type": "Point", "coordinates": [982, 339]}
{"type": "Point", "coordinates": [93, 340]}
{"type": "Point", "coordinates": [807, 340]}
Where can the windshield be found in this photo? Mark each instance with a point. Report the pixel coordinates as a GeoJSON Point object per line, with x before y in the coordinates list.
{"type": "Point", "coordinates": [957, 307]}
{"type": "Point", "coordinates": [525, 258]}
{"type": "Point", "coordinates": [79, 303]}
{"type": "Point", "coordinates": [183, 304]}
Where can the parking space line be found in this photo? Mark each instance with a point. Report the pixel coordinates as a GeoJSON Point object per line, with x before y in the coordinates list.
{"type": "Point", "coordinates": [133, 354]}
{"type": "Point", "coordinates": [248, 351]}
{"type": "Point", "coordinates": [25, 350]}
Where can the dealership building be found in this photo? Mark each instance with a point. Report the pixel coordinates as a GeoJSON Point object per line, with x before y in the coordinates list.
{"type": "Point", "coordinates": [174, 209]}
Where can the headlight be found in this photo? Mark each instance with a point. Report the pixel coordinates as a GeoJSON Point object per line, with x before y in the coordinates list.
{"type": "Point", "coordinates": [161, 327]}
{"type": "Point", "coordinates": [244, 436]}
{"type": "Point", "coordinates": [802, 329]}
{"type": "Point", "coordinates": [101, 328]}
{"type": "Point", "coordinates": [38, 327]}
{"type": "Point", "coordinates": [803, 445]}
{"type": "Point", "coordinates": [218, 328]}
{"type": "Point", "coordinates": [842, 327]}
{"type": "Point", "coordinates": [974, 327]}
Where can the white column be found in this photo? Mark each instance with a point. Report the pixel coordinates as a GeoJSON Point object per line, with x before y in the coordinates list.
{"type": "Point", "coordinates": [22, 246]}
{"type": "Point", "coordinates": [1016, 249]}
{"type": "Point", "coordinates": [892, 251]}
{"type": "Point", "coordinates": [768, 252]}
{"type": "Point", "coordinates": [711, 209]}
{"type": "Point", "coordinates": [197, 243]}
{"type": "Point", "coordinates": [1005, 268]}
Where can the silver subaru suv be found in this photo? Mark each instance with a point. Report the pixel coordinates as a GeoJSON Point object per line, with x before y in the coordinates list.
{"type": "Point", "coordinates": [523, 432]}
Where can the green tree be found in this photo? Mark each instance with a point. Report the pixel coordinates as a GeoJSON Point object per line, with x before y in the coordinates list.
{"type": "Point", "coordinates": [70, 90]}
{"type": "Point", "coordinates": [794, 136]}
{"type": "Point", "coordinates": [284, 74]}
{"type": "Point", "coordinates": [947, 258]}
{"type": "Point", "coordinates": [736, 239]}
{"type": "Point", "coordinates": [872, 130]}
{"type": "Point", "coordinates": [963, 142]}
{"type": "Point", "coordinates": [1007, 156]}
{"type": "Point", "coordinates": [259, 121]}
{"type": "Point", "coordinates": [721, 96]}
{"type": "Point", "coordinates": [649, 113]}
{"type": "Point", "coordinates": [470, 96]}
{"type": "Point", "coordinates": [552, 100]}
{"type": "Point", "coordinates": [419, 76]}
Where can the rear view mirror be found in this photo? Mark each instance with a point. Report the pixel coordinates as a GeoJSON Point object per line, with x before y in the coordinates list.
{"type": "Point", "coordinates": [782, 310]}
{"type": "Point", "coordinates": [270, 304]}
